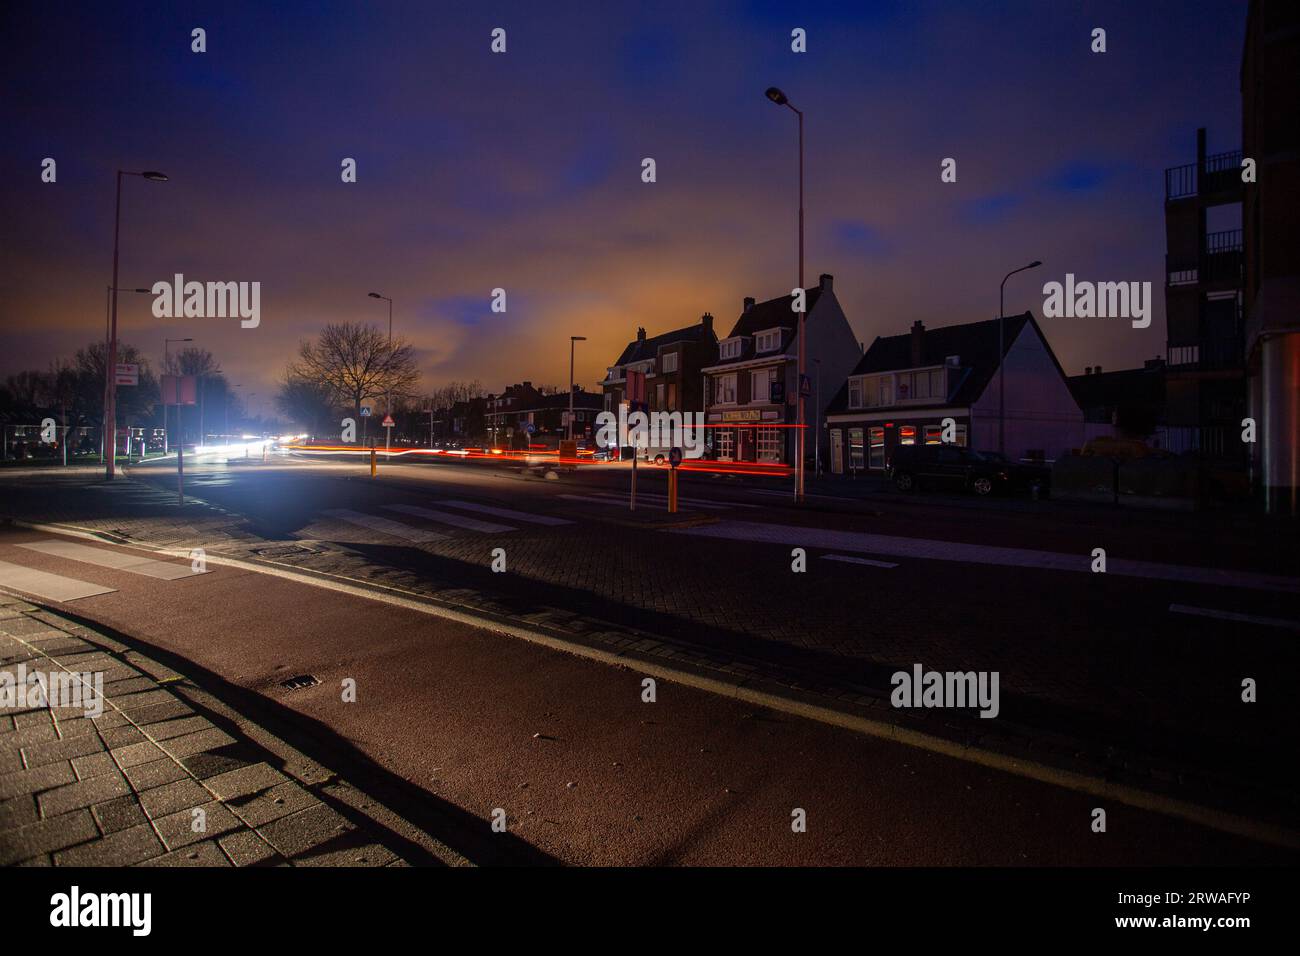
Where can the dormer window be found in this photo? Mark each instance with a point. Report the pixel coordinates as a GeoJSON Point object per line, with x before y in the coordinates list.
{"type": "Point", "coordinates": [767, 341]}
{"type": "Point", "coordinates": [730, 348]}
{"type": "Point", "coordinates": [668, 362]}
{"type": "Point", "coordinates": [855, 393]}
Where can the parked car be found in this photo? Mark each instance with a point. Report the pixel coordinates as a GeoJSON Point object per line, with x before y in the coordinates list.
{"type": "Point", "coordinates": [955, 468]}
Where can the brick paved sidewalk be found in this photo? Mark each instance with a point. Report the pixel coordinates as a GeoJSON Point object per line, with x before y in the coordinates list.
{"type": "Point", "coordinates": [123, 788]}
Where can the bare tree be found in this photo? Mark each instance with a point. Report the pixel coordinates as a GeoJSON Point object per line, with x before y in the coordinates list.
{"type": "Point", "coordinates": [353, 362]}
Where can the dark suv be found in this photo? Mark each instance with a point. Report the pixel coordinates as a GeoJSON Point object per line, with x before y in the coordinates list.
{"type": "Point", "coordinates": [954, 467]}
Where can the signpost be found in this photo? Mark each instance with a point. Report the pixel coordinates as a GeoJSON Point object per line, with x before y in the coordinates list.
{"type": "Point", "coordinates": [126, 373]}
{"type": "Point", "coordinates": [636, 402]}
{"type": "Point", "coordinates": [179, 390]}
{"type": "Point", "coordinates": [388, 434]}
{"type": "Point", "coordinates": [674, 459]}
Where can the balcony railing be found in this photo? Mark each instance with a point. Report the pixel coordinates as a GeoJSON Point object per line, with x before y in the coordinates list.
{"type": "Point", "coordinates": [1227, 241]}
{"type": "Point", "coordinates": [1221, 172]}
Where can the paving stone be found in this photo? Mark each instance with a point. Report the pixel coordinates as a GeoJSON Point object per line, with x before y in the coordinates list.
{"type": "Point", "coordinates": [17, 812]}
{"type": "Point", "coordinates": [135, 703]}
{"type": "Point", "coordinates": [33, 781]}
{"type": "Point", "coordinates": [47, 836]}
{"type": "Point", "coordinates": [155, 773]}
{"type": "Point", "coordinates": [211, 763]}
{"type": "Point", "coordinates": [123, 736]}
{"type": "Point", "coordinates": [11, 761]}
{"type": "Point", "coordinates": [167, 729]}
{"type": "Point", "coordinates": [6, 723]}
{"type": "Point", "coordinates": [76, 727]}
{"type": "Point", "coordinates": [245, 781]}
{"type": "Point", "coordinates": [135, 754]}
{"type": "Point", "coordinates": [61, 750]}
{"type": "Point", "coordinates": [177, 829]}
{"type": "Point", "coordinates": [168, 709]}
{"type": "Point", "coordinates": [206, 853]}
{"type": "Point", "coordinates": [351, 850]}
{"type": "Point", "coordinates": [84, 793]}
{"type": "Point", "coordinates": [246, 848]}
{"type": "Point", "coordinates": [128, 685]}
{"type": "Point", "coordinates": [33, 718]}
{"type": "Point", "coordinates": [93, 765]}
{"type": "Point", "coordinates": [272, 804]}
{"type": "Point", "coordinates": [190, 744]}
{"type": "Point", "coordinates": [119, 814]}
{"type": "Point", "coordinates": [300, 832]}
{"type": "Point", "coordinates": [29, 736]}
{"type": "Point", "coordinates": [123, 848]}
{"type": "Point", "coordinates": [179, 795]}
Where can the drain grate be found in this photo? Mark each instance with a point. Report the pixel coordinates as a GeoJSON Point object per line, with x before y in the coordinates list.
{"type": "Point", "coordinates": [302, 680]}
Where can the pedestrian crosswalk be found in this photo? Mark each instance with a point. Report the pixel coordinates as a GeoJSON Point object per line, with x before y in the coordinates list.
{"type": "Point", "coordinates": [44, 584]}
{"type": "Point", "coordinates": [133, 563]}
{"type": "Point", "coordinates": [654, 497]}
{"type": "Point", "coordinates": [375, 523]}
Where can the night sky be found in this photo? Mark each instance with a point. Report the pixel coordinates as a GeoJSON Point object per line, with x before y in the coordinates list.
{"type": "Point", "coordinates": [523, 170]}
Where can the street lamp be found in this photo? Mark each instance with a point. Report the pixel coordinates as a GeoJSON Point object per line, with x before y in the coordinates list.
{"type": "Point", "coordinates": [572, 340]}
{"type": "Point", "coordinates": [388, 396]}
{"type": "Point", "coordinates": [110, 367]}
{"type": "Point", "coordinates": [1002, 371]}
{"type": "Point", "coordinates": [167, 371]}
{"type": "Point", "coordinates": [108, 311]}
{"type": "Point", "coordinates": [780, 99]}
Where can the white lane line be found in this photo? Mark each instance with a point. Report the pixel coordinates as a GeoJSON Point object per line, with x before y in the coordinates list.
{"type": "Point", "coordinates": [133, 563]}
{"type": "Point", "coordinates": [848, 559]}
{"type": "Point", "coordinates": [1235, 616]}
{"type": "Point", "coordinates": [42, 584]}
{"type": "Point", "coordinates": [376, 523]}
{"type": "Point", "coordinates": [894, 546]}
{"type": "Point", "coordinates": [505, 513]}
{"type": "Point", "coordinates": [446, 517]}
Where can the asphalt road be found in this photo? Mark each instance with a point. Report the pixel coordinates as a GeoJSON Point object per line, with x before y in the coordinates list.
{"type": "Point", "coordinates": [585, 770]}
{"type": "Point", "coordinates": [589, 773]}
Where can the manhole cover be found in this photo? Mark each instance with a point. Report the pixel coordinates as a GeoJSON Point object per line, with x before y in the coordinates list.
{"type": "Point", "coordinates": [302, 680]}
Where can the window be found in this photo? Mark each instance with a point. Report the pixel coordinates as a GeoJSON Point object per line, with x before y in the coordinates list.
{"type": "Point", "coordinates": [877, 437]}
{"type": "Point", "coordinates": [668, 362]}
{"type": "Point", "coordinates": [885, 390]}
{"type": "Point", "coordinates": [726, 442]}
{"type": "Point", "coordinates": [730, 348]}
{"type": "Point", "coordinates": [769, 444]}
{"type": "Point", "coordinates": [939, 384]}
{"type": "Point", "coordinates": [760, 384]}
{"type": "Point", "coordinates": [934, 434]}
{"type": "Point", "coordinates": [724, 390]}
{"type": "Point", "coordinates": [855, 393]}
{"type": "Point", "coordinates": [921, 385]}
{"type": "Point", "coordinates": [659, 397]}
{"type": "Point", "coordinates": [767, 341]}
{"type": "Point", "coordinates": [907, 435]}
{"type": "Point", "coordinates": [672, 397]}
{"type": "Point", "coordinates": [855, 447]}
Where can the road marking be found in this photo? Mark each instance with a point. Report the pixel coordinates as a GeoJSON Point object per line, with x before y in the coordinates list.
{"type": "Point", "coordinates": [505, 513]}
{"type": "Point", "coordinates": [166, 570]}
{"type": "Point", "coordinates": [860, 541]}
{"type": "Point", "coordinates": [1235, 616]}
{"type": "Point", "coordinates": [54, 587]}
{"type": "Point", "coordinates": [644, 496]}
{"type": "Point", "coordinates": [446, 517]}
{"type": "Point", "coordinates": [847, 559]}
{"type": "Point", "coordinates": [376, 523]}
{"type": "Point", "coordinates": [1092, 784]}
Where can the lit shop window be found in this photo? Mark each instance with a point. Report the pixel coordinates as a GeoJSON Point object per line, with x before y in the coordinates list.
{"type": "Point", "coordinates": [907, 435]}
{"type": "Point", "coordinates": [855, 447]}
{"type": "Point", "coordinates": [877, 447]}
{"type": "Point", "coordinates": [769, 444]}
{"type": "Point", "coordinates": [934, 434]}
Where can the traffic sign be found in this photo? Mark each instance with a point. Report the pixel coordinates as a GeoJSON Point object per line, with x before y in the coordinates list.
{"type": "Point", "coordinates": [530, 428]}
{"type": "Point", "coordinates": [365, 411]}
{"type": "Point", "coordinates": [675, 456]}
{"type": "Point", "coordinates": [127, 373]}
{"type": "Point", "coordinates": [805, 386]}
{"type": "Point", "coordinates": [388, 421]}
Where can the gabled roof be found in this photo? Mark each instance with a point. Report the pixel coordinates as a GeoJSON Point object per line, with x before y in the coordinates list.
{"type": "Point", "coordinates": [975, 344]}
{"type": "Point", "coordinates": [639, 350]}
{"type": "Point", "coordinates": [772, 314]}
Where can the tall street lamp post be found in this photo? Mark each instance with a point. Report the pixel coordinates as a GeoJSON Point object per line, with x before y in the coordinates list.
{"type": "Point", "coordinates": [167, 371]}
{"type": "Point", "coordinates": [1002, 367]}
{"type": "Point", "coordinates": [780, 99]}
{"type": "Point", "coordinates": [388, 397]}
{"type": "Point", "coordinates": [110, 368]}
{"type": "Point", "coordinates": [573, 339]}
{"type": "Point", "coordinates": [108, 337]}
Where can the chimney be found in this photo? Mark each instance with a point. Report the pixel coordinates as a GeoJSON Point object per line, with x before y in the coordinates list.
{"type": "Point", "coordinates": [528, 384]}
{"type": "Point", "coordinates": [827, 281]}
{"type": "Point", "coordinates": [1087, 370]}
{"type": "Point", "coordinates": [1097, 370]}
{"type": "Point", "coordinates": [706, 320]}
{"type": "Point", "coordinates": [640, 335]}
{"type": "Point", "coordinates": [749, 302]}
{"type": "Point", "coordinates": [918, 342]}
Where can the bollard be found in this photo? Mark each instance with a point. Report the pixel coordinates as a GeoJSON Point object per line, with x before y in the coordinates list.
{"type": "Point", "coordinates": [672, 492]}
{"type": "Point", "coordinates": [373, 467]}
